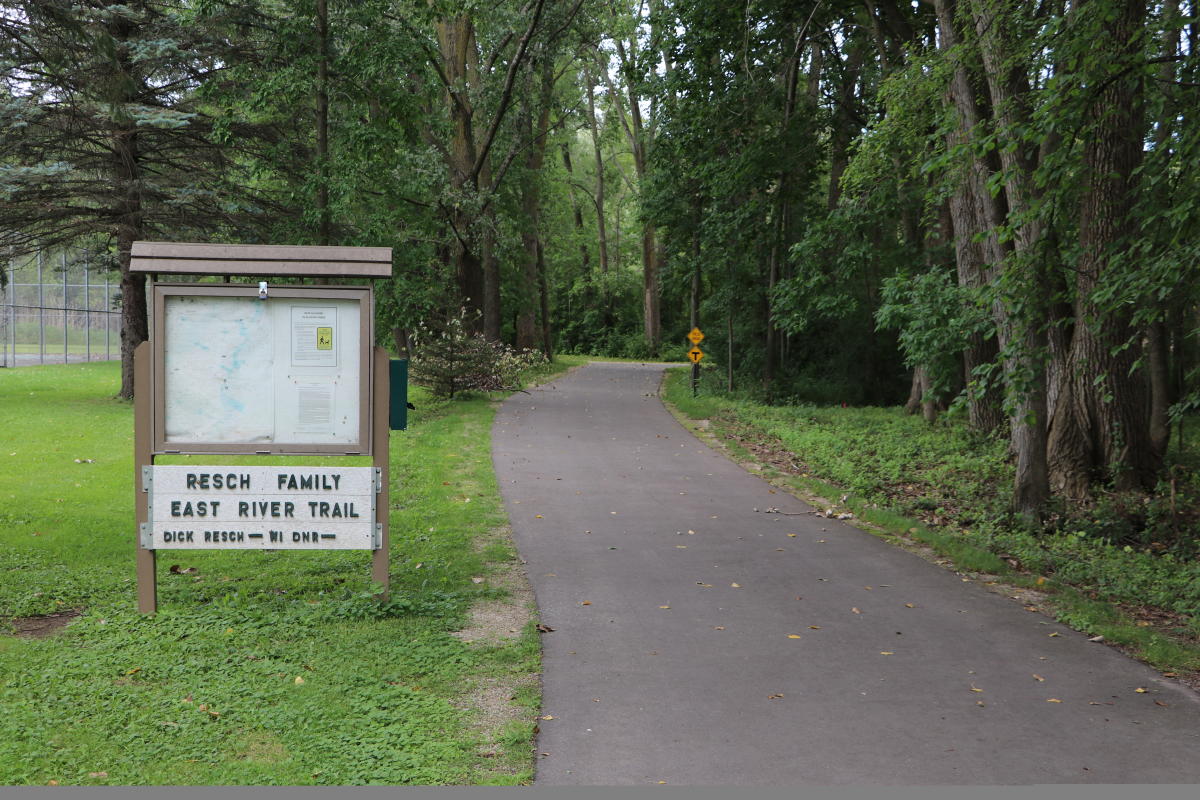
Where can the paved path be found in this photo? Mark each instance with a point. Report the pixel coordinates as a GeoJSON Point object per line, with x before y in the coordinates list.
{"type": "Point", "coordinates": [619, 512]}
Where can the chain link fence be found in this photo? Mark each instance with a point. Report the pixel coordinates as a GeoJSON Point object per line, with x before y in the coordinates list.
{"type": "Point", "coordinates": [58, 307]}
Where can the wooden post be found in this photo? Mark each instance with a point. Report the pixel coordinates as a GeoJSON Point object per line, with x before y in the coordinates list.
{"type": "Point", "coordinates": [147, 577]}
{"type": "Point", "coordinates": [380, 440]}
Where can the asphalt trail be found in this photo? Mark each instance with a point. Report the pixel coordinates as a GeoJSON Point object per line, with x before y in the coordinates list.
{"type": "Point", "coordinates": [700, 641]}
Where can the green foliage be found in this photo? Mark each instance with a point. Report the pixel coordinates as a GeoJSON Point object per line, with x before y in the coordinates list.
{"type": "Point", "coordinates": [449, 360]}
{"type": "Point", "coordinates": [934, 316]}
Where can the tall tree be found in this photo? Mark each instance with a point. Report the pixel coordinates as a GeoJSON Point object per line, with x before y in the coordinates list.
{"type": "Point", "coordinates": [1102, 428]}
{"type": "Point", "coordinates": [101, 133]}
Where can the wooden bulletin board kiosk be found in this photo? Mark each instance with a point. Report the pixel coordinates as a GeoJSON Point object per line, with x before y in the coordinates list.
{"type": "Point", "coordinates": [257, 368]}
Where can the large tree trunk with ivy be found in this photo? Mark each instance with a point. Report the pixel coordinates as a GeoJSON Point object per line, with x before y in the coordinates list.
{"type": "Point", "coordinates": [1021, 322]}
{"type": "Point", "coordinates": [1102, 429]}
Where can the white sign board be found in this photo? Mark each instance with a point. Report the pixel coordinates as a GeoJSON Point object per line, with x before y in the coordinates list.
{"type": "Point", "coordinates": [248, 508]}
{"type": "Point", "coordinates": [283, 371]}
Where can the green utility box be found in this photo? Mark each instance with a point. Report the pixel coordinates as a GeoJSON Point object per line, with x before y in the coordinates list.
{"type": "Point", "coordinates": [398, 407]}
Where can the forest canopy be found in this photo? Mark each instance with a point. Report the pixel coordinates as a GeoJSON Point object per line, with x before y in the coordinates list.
{"type": "Point", "coordinates": [985, 206]}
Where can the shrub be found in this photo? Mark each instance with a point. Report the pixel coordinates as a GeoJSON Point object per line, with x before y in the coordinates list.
{"type": "Point", "coordinates": [449, 359]}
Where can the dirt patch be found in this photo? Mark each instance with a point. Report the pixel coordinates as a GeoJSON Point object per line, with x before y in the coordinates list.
{"type": "Point", "coordinates": [43, 625]}
{"type": "Point", "coordinates": [495, 623]}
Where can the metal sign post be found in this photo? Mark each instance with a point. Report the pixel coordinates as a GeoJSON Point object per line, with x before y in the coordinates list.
{"type": "Point", "coordinates": [250, 368]}
{"type": "Point", "coordinates": [694, 355]}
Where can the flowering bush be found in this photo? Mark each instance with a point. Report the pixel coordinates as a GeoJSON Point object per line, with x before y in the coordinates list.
{"type": "Point", "coordinates": [449, 359]}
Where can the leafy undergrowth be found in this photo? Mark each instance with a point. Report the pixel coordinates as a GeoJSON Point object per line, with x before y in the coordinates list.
{"type": "Point", "coordinates": [948, 489]}
{"type": "Point", "coordinates": [260, 667]}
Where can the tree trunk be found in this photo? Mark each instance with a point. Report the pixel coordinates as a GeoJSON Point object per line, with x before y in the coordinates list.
{"type": "Point", "coordinates": [585, 255]}
{"type": "Point", "coordinates": [639, 137]}
{"type": "Point", "coordinates": [915, 392]}
{"type": "Point", "coordinates": [547, 337]}
{"type": "Point", "coordinates": [971, 229]}
{"type": "Point", "coordinates": [1024, 330]}
{"type": "Point", "coordinates": [1105, 421]}
{"type": "Point", "coordinates": [1158, 339]}
{"type": "Point", "coordinates": [134, 326]}
{"type": "Point", "coordinates": [1158, 366]}
{"type": "Point", "coordinates": [535, 134]}
{"type": "Point", "coordinates": [601, 230]}
{"type": "Point", "coordinates": [843, 126]}
{"type": "Point", "coordinates": [456, 40]}
{"type": "Point", "coordinates": [323, 122]}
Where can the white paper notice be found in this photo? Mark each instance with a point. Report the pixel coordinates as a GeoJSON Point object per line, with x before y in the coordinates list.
{"type": "Point", "coordinates": [314, 407]}
{"type": "Point", "coordinates": [313, 331]}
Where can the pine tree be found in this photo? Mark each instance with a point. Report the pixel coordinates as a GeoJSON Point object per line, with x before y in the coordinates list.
{"type": "Point", "coordinates": [102, 132]}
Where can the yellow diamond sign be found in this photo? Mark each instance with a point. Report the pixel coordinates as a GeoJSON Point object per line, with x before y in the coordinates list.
{"type": "Point", "coordinates": [695, 337]}
{"type": "Point", "coordinates": [695, 354]}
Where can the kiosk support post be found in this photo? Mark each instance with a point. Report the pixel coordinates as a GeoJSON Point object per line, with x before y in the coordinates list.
{"type": "Point", "coordinates": [147, 578]}
{"type": "Point", "coordinates": [380, 435]}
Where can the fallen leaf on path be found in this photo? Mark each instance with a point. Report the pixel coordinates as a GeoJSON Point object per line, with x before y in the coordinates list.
{"type": "Point", "coordinates": [792, 535]}
{"type": "Point", "coordinates": [705, 585]}
{"type": "Point", "coordinates": [774, 696]}
{"type": "Point", "coordinates": [736, 585]}
{"type": "Point", "coordinates": [814, 627]}
{"type": "Point", "coordinates": [586, 603]}
{"type": "Point", "coordinates": [718, 627]}
{"type": "Point", "coordinates": [1053, 635]}
{"type": "Point", "coordinates": [664, 606]}
{"type": "Point", "coordinates": [544, 628]}
{"type": "Point", "coordinates": [975, 688]}
{"type": "Point", "coordinates": [1161, 703]}
{"type": "Point", "coordinates": [1038, 678]}
{"type": "Point", "coordinates": [547, 716]}
{"type": "Point", "coordinates": [538, 516]}
{"type": "Point", "coordinates": [909, 605]}
{"type": "Point", "coordinates": [979, 703]}
{"type": "Point", "coordinates": [1140, 690]}
{"type": "Point", "coordinates": [1054, 700]}
{"type": "Point", "coordinates": [855, 610]}
{"type": "Point", "coordinates": [1170, 675]}
{"type": "Point", "coordinates": [886, 653]}
{"type": "Point", "coordinates": [793, 636]}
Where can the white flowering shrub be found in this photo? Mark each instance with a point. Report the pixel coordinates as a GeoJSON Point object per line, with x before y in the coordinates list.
{"type": "Point", "coordinates": [448, 359]}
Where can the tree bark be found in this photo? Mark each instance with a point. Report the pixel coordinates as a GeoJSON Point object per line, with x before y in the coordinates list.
{"type": "Point", "coordinates": [456, 40]}
{"type": "Point", "coordinates": [1105, 421]}
{"type": "Point", "coordinates": [972, 228]}
{"type": "Point", "coordinates": [323, 222]}
{"type": "Point", "coordinates": [1158, 338]}
{"type": "Point", "coordinates": [1021, 324]}
{"type": "Point", "coordinates": [639, 135]}
{"type": "Point", "coordinates": [601, 230]}
{"type": "Point", "coordinates": [535, 133]}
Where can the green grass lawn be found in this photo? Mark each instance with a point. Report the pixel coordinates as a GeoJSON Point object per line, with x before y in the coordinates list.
{"type": "Point", "coordinates": [260, 667]}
